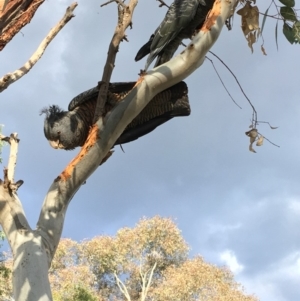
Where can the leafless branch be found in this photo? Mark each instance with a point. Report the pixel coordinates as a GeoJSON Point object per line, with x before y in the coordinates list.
{"type": "Point", "coordinates": [254, 115]}
{"type": "Point", "coordinates": [268, 140]}
{"type": "Point", "coordinates": [272, 127]}
{"type": "Point", "coordinates": [163, 3]}
{"type": "Point", "coordinates": [10, 78]}
{"type": "Point", "coordinates": [117, 1]}
{"type": "Point", "coordinates": [222, 82]}
{"type": "Point", "coordinates": [125, 13]}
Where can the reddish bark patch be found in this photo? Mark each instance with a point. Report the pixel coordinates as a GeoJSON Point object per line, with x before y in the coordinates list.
{"type": "Point", "coordinates": [90, 141]}
{"type": "Point", "coordinates": [212, 16]}
{"type": "Point", "coordinates": [16, 14]}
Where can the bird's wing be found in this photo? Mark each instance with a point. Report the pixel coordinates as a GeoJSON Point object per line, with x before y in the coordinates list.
{"type": "Point", "coordinates": [90, 94]}
{"type": "Point", "coordinates": [170, 103]}
{"type": "Point", "coordinates": [179, 15]}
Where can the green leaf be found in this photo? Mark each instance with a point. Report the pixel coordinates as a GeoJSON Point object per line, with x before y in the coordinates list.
{"type": "Point", "coordinates": [264, 20]}
{"type": "Point", "coordinates": [288, 3]}
{"type": "Point", "coordinates": [289, 33]}
{"type": "Point", "coordinates": [288, 13]}
{"type": "Point", "coordinates": [276, 34]}
{"type": "Point", "coordinates": [296, 30]}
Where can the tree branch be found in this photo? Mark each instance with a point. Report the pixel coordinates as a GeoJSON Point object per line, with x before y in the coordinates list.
{"type": "Point", "coordinates": [14, 15]}
{"type": "Point", "coordinates": [125, 13]}
{"type": "Point", "coordinates": [10, 78]}
{"type": "Point", "coordinates": [122, 287]}
{"type": "Point", "coordinates": [14, 143]}
{"type": "Point", "coordinates": [12, 216]}
{"type": "Point", "coordinates": [95, 149]}
{"type": "Point", "coordinates": [24, 242]}
{"type": "Point", "coordinates": [146, 283]}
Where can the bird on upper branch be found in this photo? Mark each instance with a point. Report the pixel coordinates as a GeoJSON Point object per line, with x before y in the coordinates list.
{"type": "Point", "coordinates": [69, 129]}
{"type": "Point", "coordinates": [180, 22]}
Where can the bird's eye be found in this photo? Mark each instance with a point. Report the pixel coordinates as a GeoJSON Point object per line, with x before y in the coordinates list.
{"type": "Point", "coordinates": [58, 133]}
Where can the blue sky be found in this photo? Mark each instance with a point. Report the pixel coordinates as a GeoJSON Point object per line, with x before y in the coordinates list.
{"type": "Point", "coordinates": [234, 207]}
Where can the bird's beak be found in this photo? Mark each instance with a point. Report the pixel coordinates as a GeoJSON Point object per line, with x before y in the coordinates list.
{"type": "Point", "coordinates": [54, 144]}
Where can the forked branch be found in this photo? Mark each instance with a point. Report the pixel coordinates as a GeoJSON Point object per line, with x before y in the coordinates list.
{"type": "Point", "coordinates": [146, 281]}
{"type": "Point", "coordinates": [122, 287]}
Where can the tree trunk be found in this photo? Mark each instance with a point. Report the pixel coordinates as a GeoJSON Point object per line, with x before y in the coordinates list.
{"type": "Point", "coordinates": [14, 15]}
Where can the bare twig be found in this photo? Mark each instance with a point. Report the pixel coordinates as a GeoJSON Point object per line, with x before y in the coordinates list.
{"type": "Point", "coordinates": [108, 2]}
{"type": "Point", "coordinates": [254, 115]}
{"type": "Point", "coordinates": [163, 3]}
{"type": "Point", "coordinates": [117, 1]}
{"type": "Point", "coordinates": [272, 127]}
{"type": "Point", "coordinates": [268, 140]}
{"type": "Point", "coordinates": [125, 13]}
{"type": "Point", "coordinates": [222, 82]}
{"type": "Point", "coordinates": [10, 78]}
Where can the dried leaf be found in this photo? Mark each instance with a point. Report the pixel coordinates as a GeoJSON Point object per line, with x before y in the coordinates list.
{"type": "Point", "coordinates": [250, 23]}
{"type": "Point", "coordinates": [252, 133]}
{"type": "Point", "coordinates": [250, 16]}
{"type": "Point", "coordinates": [251, 149]}
{"type": "Point", "coordinates": [251, 40]}
{"type": "Point", "coordinates": [260, 141]}
{"type": "Point", "coordinates": [252, 140]}
{"type": "Point", "coordinates": [263, 50]}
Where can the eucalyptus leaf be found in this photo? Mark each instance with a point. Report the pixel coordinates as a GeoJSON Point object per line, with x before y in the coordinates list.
{"type": "Point", "coordinates": [289, 33]}
{"type": "Point", "coordinates": [288, 3]}
{"type": "Point", "coordinates": [264, 21]}
{"type": "Point", "coordinates": [288, 13]}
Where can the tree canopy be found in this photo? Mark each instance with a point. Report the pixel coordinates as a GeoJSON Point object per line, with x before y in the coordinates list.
{"type": "Point", "coordinates": [148, 262]}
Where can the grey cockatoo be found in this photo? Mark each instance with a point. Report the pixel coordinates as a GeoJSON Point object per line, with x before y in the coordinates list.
{"type": "Point", "coordinates": [180, 22]}
{"type": "Point", "coordinates": [69, 129]}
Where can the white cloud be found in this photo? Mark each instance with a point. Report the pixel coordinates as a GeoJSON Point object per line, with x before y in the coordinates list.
{"type": "Point", "coordinates": [294, 205]}
{"type": "Point", "coordinates": [229, 258]}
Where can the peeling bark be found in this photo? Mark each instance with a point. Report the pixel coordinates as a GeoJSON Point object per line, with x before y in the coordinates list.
{"type": "Point", "coordinates": [14, 15]}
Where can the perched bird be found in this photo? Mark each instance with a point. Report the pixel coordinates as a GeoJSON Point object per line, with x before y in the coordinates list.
{"type": "Point", "coordinates": [69, 129]}
{"type": "Point", "coordinates": [180, 22]}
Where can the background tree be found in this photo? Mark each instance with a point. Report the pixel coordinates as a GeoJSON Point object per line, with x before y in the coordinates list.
{"type": "Point", "coordinates": [150, 260]}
